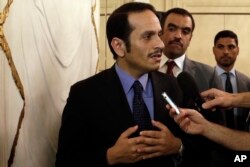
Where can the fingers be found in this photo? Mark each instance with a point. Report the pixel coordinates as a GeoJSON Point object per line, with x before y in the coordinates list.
{"type": "Point", "coordinates": [184, 124]}
{"type": "Point", "coordinates": [136, 157]}
{"type": "Point", "coordinates": [159, 125]}
{"type": "Point", "coordinates": [172, 111]}
{"type": "Point", "coordinates": [129, 131]}
{"type": "Point", "coordinates": [177, 117]}
{"type": "Point", "coordinates": [211, 104]}
{"type": "Point", "coordinates": [156, 133]}
{"type": "Point", "coordinates": [209, 93]}
{"type": "Point", "coordinates": [212, 98]}
{"type": "Point", "coordinates": [152, 155]}
{"type": "Point", "coordinates": [207, 104]}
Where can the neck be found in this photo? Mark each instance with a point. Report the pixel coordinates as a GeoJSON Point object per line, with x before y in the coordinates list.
{"type": "Point", "coordinates": [227, 69]}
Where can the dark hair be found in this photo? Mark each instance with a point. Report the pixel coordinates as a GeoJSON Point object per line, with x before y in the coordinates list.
{"type": "Point", "coordinates": [118, 25]}
{"type": "Point", "coordinates": [224, 34]}
{"type": "Point", "coordinates": [179, 11]}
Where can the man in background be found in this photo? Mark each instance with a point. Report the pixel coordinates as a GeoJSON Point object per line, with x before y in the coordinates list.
{"type": "Point", "coordinates": [177, 29]}
{"type": "Point", "coordinates": [226, 51]}
{"type": "Point", "coordinates": [178, 26]}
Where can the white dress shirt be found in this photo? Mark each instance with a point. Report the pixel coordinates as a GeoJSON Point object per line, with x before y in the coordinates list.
{"type": "Point", "coordinates": [177, 69]}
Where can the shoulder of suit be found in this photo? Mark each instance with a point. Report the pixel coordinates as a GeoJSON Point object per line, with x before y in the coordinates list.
{"type": "Point", "coordinates": [157, 75]}
{"type": "Point", "coordinates": [242, 76]}
{"type": "Point", "coordinates": [201, 65]}
{"type": "Point", "coordinates": [95, 79]}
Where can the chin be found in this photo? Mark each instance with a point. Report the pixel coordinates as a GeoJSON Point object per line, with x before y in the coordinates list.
{"type": "Point", "coordinates": [155, 67]}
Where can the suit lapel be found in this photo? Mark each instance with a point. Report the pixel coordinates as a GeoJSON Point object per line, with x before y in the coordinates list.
{"type": "Point", "coordinates": [188, 66]}
{"type": "Point", "coordinates": [215, 81]}
{"type": "Point", "coordinates": [116, 98]}
{"type": "Point", "coordinates": [158, 106]}
{"type": "Point", "coordinates": [242, 113]}
{"type": "Point", "coordinates": [241, 82]}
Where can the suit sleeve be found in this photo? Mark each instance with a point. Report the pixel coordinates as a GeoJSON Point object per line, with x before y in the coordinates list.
{"type": "Point", "coordinates": [74, 146]}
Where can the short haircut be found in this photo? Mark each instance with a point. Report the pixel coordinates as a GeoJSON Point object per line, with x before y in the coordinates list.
{"type": "Point", "coordinates": [179, 11]}
{"type": "Point", "coordinates": [225, 34]}
{"type": "Point", "coordinates": [118, 25]}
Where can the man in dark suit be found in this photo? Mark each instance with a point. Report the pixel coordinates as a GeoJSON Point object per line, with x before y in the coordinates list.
{"type": "Point", "coordinates": [177, 29]}
{"type": "Point", "coordinates": [178, 25]}
{"type": "Point", "coordinates": [98, 127]}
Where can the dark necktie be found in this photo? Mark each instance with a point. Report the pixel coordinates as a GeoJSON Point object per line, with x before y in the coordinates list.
{"type": "Point", "coordinates": [229, 112]}
{"type": "Point", "coordinates": [140, 111]}
{"type": "Point", "coordinates": [170, 65]}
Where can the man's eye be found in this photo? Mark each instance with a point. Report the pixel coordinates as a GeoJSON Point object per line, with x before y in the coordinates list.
{"type": "Point", "coordinates": [220, 47]}
{"type": "Point", "coordinates": [231, 47]}
{"type": "Point", "coordinates": [147, 36]}
{"type": "Point", "coordinates": [186, 31]}
{"type": "Point", "coordinates": [171, 29]}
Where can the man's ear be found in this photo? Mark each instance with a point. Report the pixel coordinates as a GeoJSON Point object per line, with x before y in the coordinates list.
{"type": "Point", "coordinates": [119, 46]}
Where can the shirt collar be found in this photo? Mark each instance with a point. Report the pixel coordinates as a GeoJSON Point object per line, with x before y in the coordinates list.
{"type": "Point", "coordinates": [178, 61]}
{"type": "Point", "coordinates": [128, 81]}
{"type": "Point", "coordinates": [221, 71]}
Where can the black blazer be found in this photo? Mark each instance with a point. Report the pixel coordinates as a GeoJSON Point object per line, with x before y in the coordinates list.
{"type": "Point", "coordinates": [96, 114]}
{"type": "Point", "coordinates": [221, 156]}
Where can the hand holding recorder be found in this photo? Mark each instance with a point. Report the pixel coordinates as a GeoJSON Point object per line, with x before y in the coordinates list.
{"type": "Point", "coordinates": [170, 102]}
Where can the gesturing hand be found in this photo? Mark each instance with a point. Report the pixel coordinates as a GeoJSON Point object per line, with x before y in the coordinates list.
{"type": "Point", "coordinates": [159, 143]}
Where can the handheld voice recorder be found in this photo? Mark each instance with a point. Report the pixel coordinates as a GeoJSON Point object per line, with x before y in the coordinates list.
{"type": "Point", "coordinates": [170, 102]}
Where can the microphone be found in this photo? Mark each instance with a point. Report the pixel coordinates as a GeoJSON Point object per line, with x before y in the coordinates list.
{"type": "Point", "coordinates": [191, 93]}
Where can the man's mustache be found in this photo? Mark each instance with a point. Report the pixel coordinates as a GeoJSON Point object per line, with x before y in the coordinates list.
{"type": "Point", "coordinates": [176, 42]}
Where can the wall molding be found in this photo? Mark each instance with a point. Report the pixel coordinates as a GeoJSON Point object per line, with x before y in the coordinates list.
{"type": "Point", "coordinates": [217, 6]}
{"type": "Point", "coordinates": [3, 134]}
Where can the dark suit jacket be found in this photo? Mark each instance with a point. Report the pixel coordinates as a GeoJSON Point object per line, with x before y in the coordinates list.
{"type": "Point", "coordinates": [221, 156]}
{"type": "Point", "coordinates": [203, 74]}
{"type": "Point", "coordinates": [97, 112]}
{"type": "Point", "coordinates": [205, 78]}
{"type": "Point", "coordinates": [243, 85]}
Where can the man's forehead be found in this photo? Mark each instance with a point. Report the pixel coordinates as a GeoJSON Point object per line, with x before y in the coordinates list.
{"type": "Point", "coordinates": [179, 20]}
{"type": "Point", "coordinates": [145, 15]}
{"type": "Point", "coordinates": [146, 20]}
{"type": "Point", "coordinates": [226, 40]}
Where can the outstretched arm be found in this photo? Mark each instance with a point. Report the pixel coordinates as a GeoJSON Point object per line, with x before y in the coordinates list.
{"type": "Point", "coordinates": [218, 98]}
{"type": "Point", "coordinates": [193, 122]}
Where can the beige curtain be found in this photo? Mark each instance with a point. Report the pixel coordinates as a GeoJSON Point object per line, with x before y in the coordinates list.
{"type": "Point", "coordinates": [53, 44]}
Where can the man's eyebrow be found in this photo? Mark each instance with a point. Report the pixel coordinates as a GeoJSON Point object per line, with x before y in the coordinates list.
{"type": "Point", "coordinates": [149, 32]}
{"type": "Point", "coordinates": [176, 26]}
{"type": "Point", "coordinates": [172, 25]}
{"type": "Point", "coordinates": [219, 45]}
{"type": "Point", "coordinates": [226, 44]}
